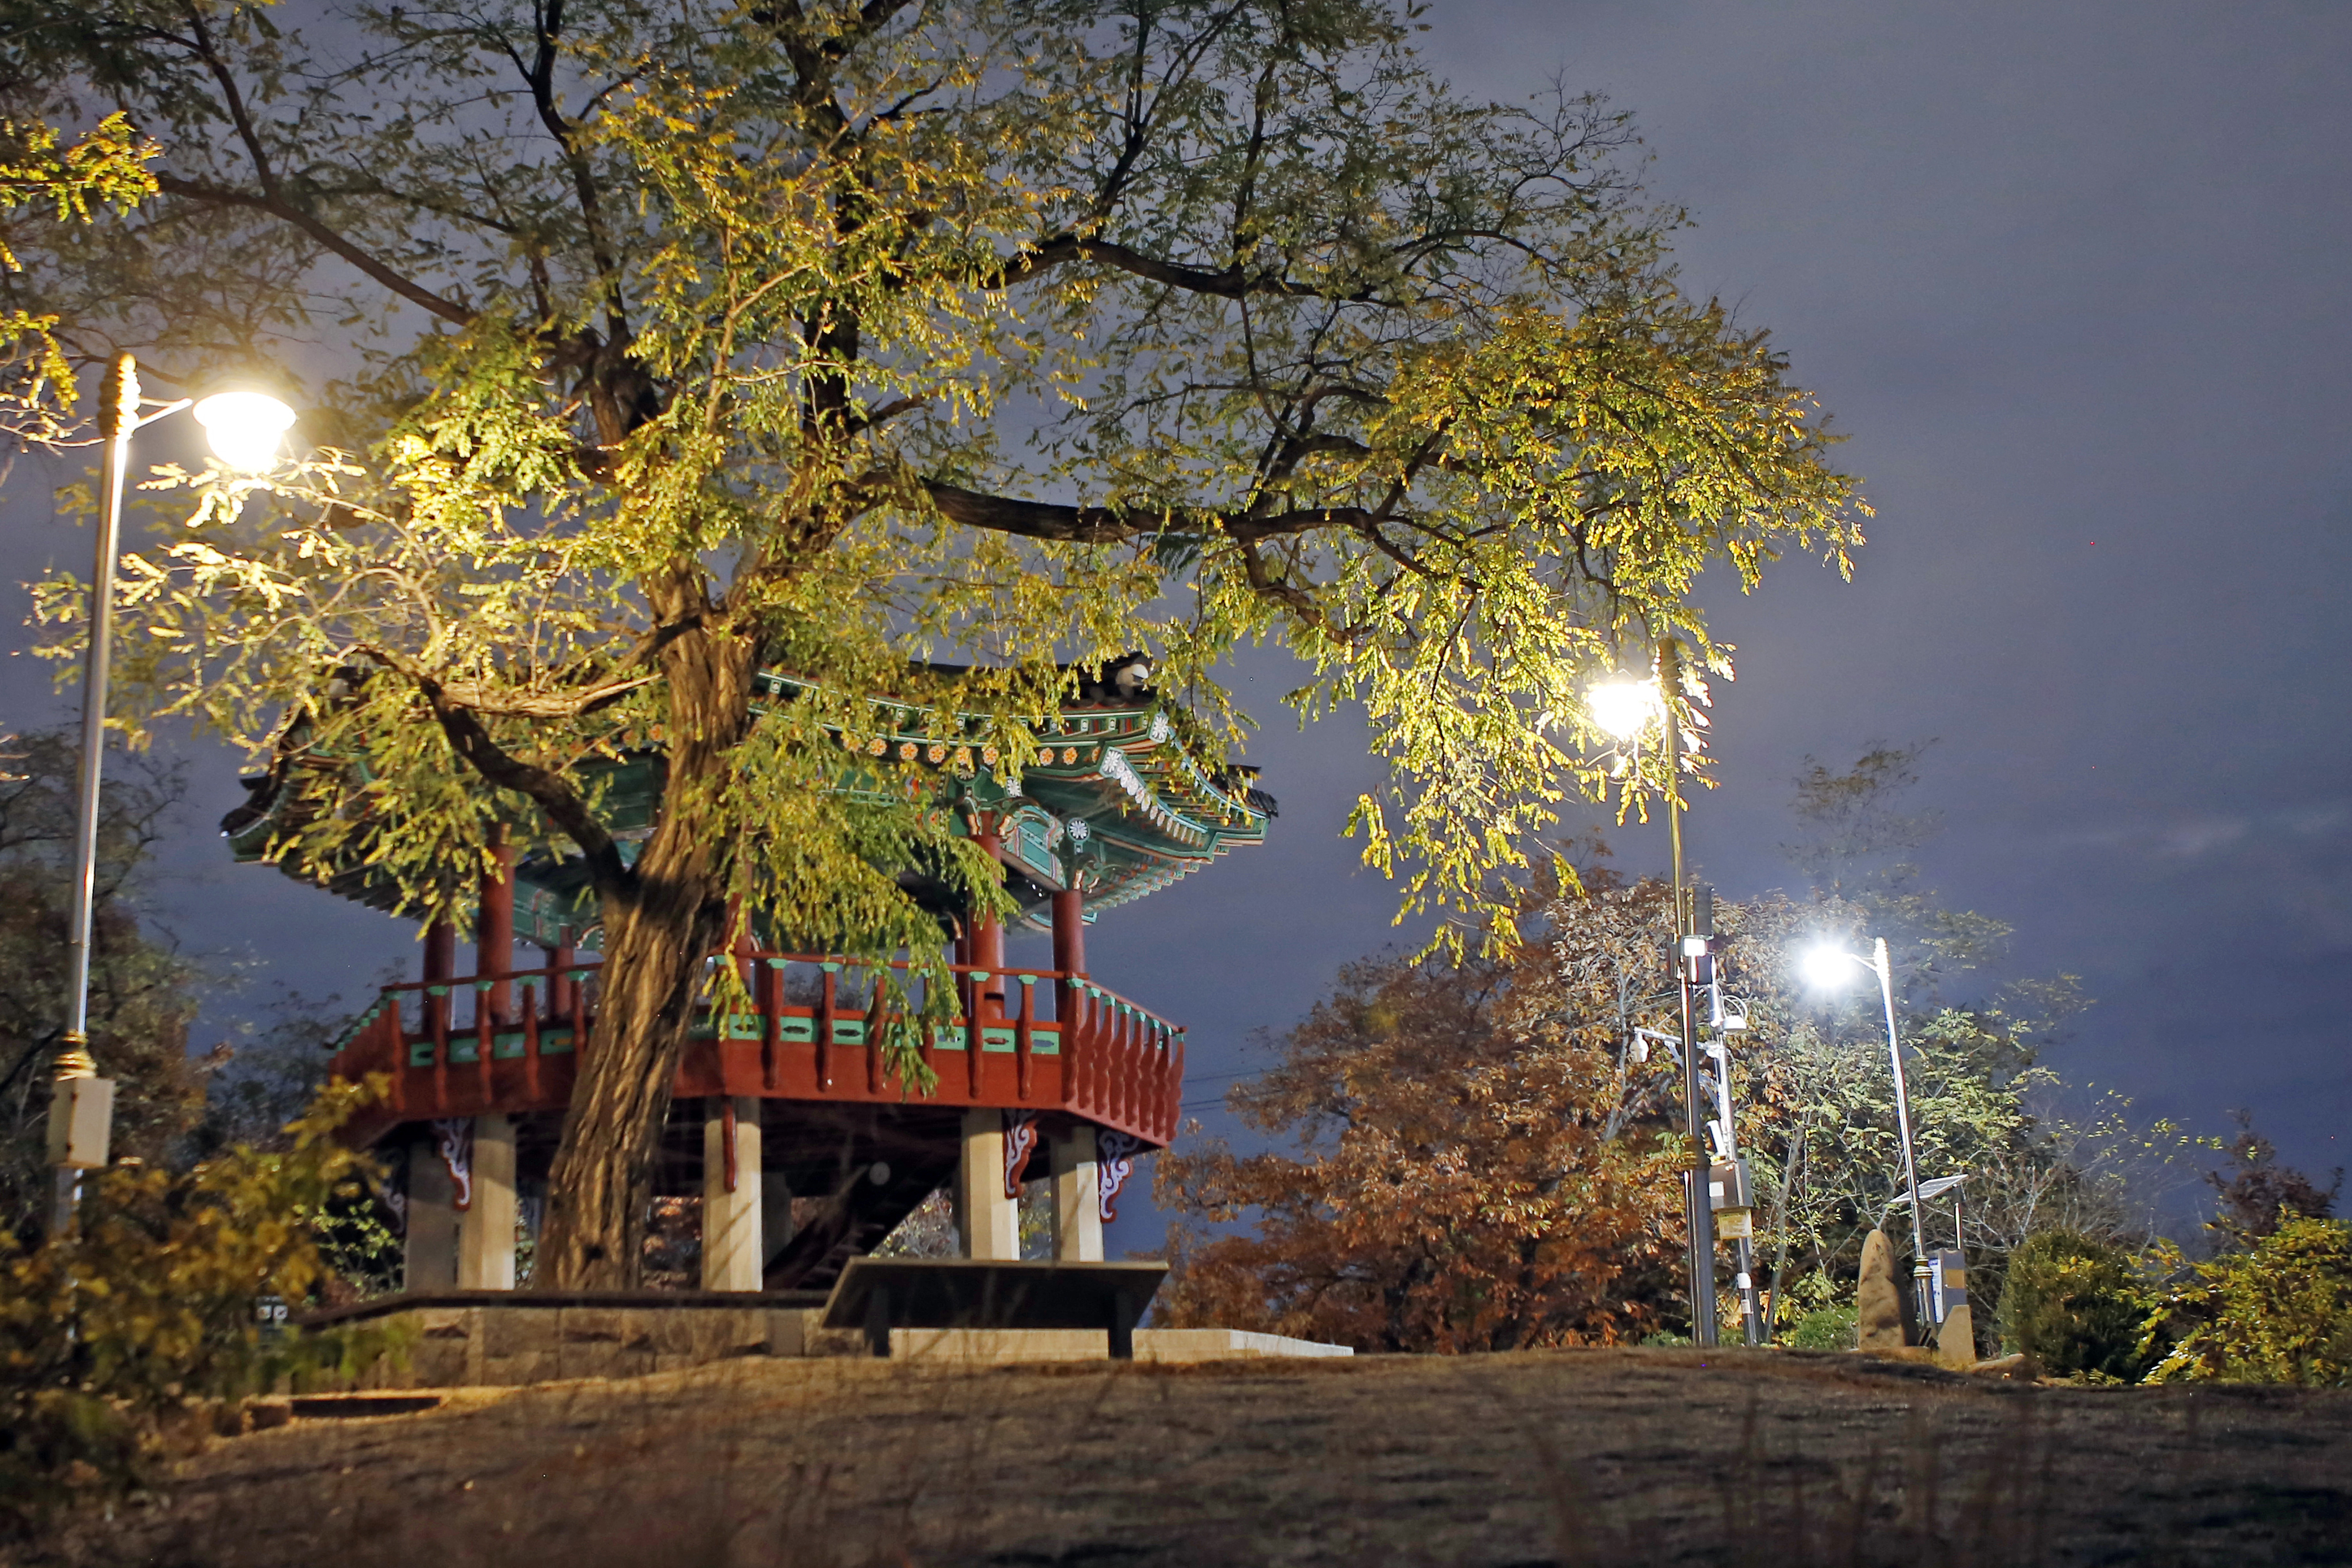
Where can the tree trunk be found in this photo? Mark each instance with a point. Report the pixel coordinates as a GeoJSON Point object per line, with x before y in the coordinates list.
{"type": "Point", "coordinates": [657, 936]}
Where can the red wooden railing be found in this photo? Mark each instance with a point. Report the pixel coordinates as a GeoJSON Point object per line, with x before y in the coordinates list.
{"type": "Point", "coordinates": [1020, 1039]}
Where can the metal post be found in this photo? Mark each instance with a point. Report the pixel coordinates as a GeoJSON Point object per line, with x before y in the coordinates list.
{"type": "Point", "coordinates": [1919, 1271]}
{"type": "Point", "coordinates": [118, 417]}
{"type": "Point", "coordinates": [1744, 1250]}
{"type": "Point", "coordinates": [1751, 1314]}
{"type": "Point", "coordinates": [1698, 1212]}
{"type": "Point", "coordinates": [1902, 1093]}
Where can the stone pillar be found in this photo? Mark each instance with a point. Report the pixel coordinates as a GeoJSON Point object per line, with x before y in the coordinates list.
{"type": "Point", "coordinates": [1077, 1197]}
{"type": "Point", "coordinates": [429, 1252]}
{"type": "Point", "coordinates": [1956, 1338]}
{"type": "Point", "coordinates": [1878, 1298]}
{"type": "Point", "coordinates": [494, 928]}
{"type": "Point", "coordinates": [988, 1222]}
{"type": "Point", "coordinates": [732, 1256]}
{"type": "Point", "coordinates": [775, 1215]}
{"type": "Point", "coordinates": [485, 1230]}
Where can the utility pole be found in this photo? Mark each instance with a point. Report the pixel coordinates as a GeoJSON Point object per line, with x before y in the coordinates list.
{"type": "Point", "coordinates": [1699, 1212]}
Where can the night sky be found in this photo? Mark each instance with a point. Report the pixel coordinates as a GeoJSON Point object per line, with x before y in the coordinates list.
{"type": "Point", "coordinates": [2073, 277]}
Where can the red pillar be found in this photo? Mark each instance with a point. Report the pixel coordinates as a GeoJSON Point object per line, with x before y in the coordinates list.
{"type": "Point", "coordinates": [440, 963]}
{"type": "Point", "coordinates": [1070, 958]}
{"type": "Point", "coordinates": [559, 959]}
{"type": "Point", "coordinates": [1070, 932]}
{"type": "Point", "coordinates": [988, 944]}
{"type": "Point", "coordinates": [494, 927]}
{"type": "Point", "coordinates": [440, 951]}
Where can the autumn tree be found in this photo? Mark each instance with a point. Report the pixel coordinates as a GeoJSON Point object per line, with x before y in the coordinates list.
{"type": "Point", "coordinates": [2256, 1194]}
{"type": "Point", "coordinates": [1465, 1167]}
{"type": "Point", "coordinates": [926, 350]}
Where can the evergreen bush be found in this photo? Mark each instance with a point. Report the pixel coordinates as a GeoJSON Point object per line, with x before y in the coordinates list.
{"type": "Point", "coordinates": [2077, 1306]}
{"type": "Point", "coordinates": [1824, 1328]}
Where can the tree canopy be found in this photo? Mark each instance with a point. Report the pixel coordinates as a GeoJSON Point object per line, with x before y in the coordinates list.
{"type": "Point", "coordinates": [927, 349]}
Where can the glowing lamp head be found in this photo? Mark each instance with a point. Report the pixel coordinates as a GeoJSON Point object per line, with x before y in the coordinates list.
{"type": "Point", "coordinates": [1827, 967]}
{"type": "Point", "coordinates": [246, 429]}
{"type": "Point", "coordinates": [1622, 706]}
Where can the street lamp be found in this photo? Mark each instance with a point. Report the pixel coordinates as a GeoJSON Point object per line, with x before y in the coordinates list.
{"type": "Point", "coordinates": [1623, 707]}
{"type": "Point", "coordinates": [1826, 967]}
{"type": "Point", "coordinates": [246, 429]}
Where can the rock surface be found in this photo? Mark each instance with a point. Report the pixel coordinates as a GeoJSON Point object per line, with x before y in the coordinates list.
{"type": "Point", "coordinates": [1534, 1460]}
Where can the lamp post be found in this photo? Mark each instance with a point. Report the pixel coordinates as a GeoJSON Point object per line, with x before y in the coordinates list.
{"type": "Point", "coordinates": [1624, 708]}
{"type": "Point", "coordinates": [244, 429]}
{"type": "Point", "coordinates": [1825, 966]}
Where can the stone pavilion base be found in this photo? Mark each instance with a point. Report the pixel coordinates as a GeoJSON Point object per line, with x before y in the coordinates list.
{"type": "Point", "coordinates": [470, 1339]}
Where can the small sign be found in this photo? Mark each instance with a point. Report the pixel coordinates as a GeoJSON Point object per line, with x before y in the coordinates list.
{"type": "Point", "coordinates": [81, 1122]}
{"type": "Point", "coordinates": [1728, 1186]}
{"type": "Point", "coordinates": [270, 1312]}
{"type": "Point", "coordinates": [1948, 1283]}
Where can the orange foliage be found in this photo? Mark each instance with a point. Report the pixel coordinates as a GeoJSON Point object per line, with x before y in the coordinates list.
{"type": "Point", "coordinates": [1456, 1187]}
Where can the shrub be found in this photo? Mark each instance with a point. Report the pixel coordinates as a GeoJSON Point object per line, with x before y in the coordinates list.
{"type": "Point", "coordinates": [2278, 1312]}
{"type": "Point", "coordinates": [119, 1336]}
{"type": "Point", "coordinates": [1824, 1328]}
{"type": "Point", "coordinates": [2077, 1306]}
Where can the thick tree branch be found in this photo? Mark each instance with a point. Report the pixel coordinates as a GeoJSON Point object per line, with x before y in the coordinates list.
{"type": "Point", "coordinates": [1231, 282]}
{"type": "Point", "coordinates": [414, 293]}
{"type": "Point", "coordinates": [499, 703]}
{"type": "Point", "coordinates": [1108, 525]}
{"type": "Point", "coordinates": [547, 789]}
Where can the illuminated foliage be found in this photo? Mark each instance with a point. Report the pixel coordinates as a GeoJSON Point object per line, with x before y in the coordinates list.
{"type": "Point", "coordinates": [2277, 1310]}
{"type": "Point", "coordinates": [106, 167]}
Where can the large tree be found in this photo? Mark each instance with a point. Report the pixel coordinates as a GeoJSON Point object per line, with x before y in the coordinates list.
{"type": "Point", "coordinates": [847, 339]}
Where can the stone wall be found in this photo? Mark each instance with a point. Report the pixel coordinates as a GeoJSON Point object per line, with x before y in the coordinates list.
{"type": "Point", "coordinates": [459, 1345]}
{"type": "Point", "coordinates": [516, 1339]}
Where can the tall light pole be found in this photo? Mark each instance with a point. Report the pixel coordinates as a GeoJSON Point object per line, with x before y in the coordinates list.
{"type": "Point", "coordinates": [1825, 966]}
{"type": "Point", "coordinates": [246, 429]}
{"type": "Point", "coordinates": [1624, 708]}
